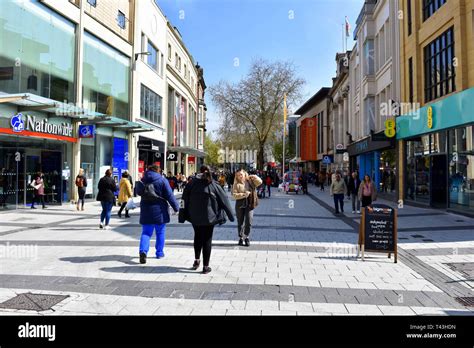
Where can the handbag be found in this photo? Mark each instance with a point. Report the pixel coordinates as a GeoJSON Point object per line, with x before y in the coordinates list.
{"type": "Point", "coordinates": [130, 204]}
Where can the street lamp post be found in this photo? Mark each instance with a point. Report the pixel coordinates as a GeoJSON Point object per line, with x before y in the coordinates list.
{"type": "Point", "coordinates": [284, 136]}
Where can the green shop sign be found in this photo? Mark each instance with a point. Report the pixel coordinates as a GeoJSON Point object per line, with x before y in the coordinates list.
{"type": "Point", "coordinates": [454, 111]}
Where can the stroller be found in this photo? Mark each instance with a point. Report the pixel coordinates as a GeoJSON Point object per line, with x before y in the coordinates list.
{"type": "Point", "coordinates": [261, 191]}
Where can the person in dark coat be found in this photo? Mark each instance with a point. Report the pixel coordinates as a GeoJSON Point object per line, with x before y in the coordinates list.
{"type": "Point", "coordinates": [154, 215]}
{"type": "Point", "coordinates": [81, 183]}
{"type": "Point", "coordinates": [205, 203]}
{"type": "Point", "coordinates": [106, 197]}
{"type": "Point", "coordinates": [353, 191]}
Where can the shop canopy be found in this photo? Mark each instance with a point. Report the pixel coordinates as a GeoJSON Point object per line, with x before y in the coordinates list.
{"type": "Point", "coordinates": [187, 150]}
{"type": "Point", "coordinates": [33, 102]}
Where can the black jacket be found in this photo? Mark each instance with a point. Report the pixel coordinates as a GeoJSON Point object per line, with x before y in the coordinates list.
{"type": "Point", "coordinates": [206, 203]}
{"type": "Point", "coordinates": [107, 188]}
{"type": "Point", "coordinates": [353, 186]}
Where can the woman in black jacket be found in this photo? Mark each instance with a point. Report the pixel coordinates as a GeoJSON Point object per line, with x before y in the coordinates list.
{"type": "Point", "coordinates": [205, 203]}
{"type": "Point", "coordinates": [106, 196]}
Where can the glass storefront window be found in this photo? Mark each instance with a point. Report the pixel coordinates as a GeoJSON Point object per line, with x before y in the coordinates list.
{"type": "Point", "coordinates": [461, 168]}
{"type": "Point", "coordinates": [37, 51]}
{"type": "Point", "coordinates": [105, 78]}
{"type": "Point", "coordinates": [417, 180]}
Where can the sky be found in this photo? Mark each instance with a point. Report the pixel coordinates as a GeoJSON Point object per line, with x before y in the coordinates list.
{"type": "Point", "coordinates": [224, 36]}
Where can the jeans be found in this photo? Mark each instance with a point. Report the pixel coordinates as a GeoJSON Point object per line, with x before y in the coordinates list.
{"type": "Point", "coordinates": [269, 190]}
{"type": "Point", "coordinates": [106, 212]}
{"type": "Point", "coordinates": [322, 186]}
{"type": "Point", "coordinates": [82, 193]}
{"type": "Point", "coordinates": [339, 200]}
{"type": "Point", "coordinates": [147, 232]}
{"type": "Point", "coordinates": [355, 197]}
{"type": "Point", "coordinates": [203, 241]}
{"type": "Point", "coordinates": [244, 218]}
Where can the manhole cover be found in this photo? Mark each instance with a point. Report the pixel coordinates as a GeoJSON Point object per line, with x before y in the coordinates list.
{"type": "Point", "coordinates": [33, 302]}
{"type": "Point", "coordinates": [465, 268]}
{"type": "Point", "coordinates": [417, 236]}
{"type": "Point", "coordinates": [466, 301]}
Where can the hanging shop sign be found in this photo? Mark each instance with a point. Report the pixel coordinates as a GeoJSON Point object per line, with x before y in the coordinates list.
{"type": "Point", "coordinates": [172, 156]}
{"type": "Point", "coordinates": [191, 160]}
{"type": "Point", "coordinates": [86, 131]}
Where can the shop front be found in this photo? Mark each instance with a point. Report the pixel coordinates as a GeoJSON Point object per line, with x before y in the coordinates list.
{"type": "Point", "coordinates": [150, 151]}
{"type": "Point", "coordinates": [33, 142]}
{"type": "Point", "coordinates": [438, 150]}
{"type": "Point", "coordinates": [375, 156]}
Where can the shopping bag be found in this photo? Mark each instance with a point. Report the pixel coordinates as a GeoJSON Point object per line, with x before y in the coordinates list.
{"type": "Point", "coordinates": [130, 204]}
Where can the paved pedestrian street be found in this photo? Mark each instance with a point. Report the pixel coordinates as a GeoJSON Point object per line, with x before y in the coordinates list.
{"type": "Point", "coordinates": [301, 261]}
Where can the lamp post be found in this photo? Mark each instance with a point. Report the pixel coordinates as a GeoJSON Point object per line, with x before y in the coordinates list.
{"type": "Point", "coordinates": [284, 136]}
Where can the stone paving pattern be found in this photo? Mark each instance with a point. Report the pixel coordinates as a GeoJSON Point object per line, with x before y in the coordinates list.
{"type": "Point", "coordinates": [302, 261]}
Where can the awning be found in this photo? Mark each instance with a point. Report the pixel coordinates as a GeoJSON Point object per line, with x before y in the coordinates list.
{"type": "Point", "coordinates": [187, 150]}
{"type": "Point", "coordinates": [119, 124]}
{"type": "Point", "coordinates": [33, 102]}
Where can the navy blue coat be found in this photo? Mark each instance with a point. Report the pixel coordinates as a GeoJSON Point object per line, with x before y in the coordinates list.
{"type": "Point", "coordinates": [156, 213]}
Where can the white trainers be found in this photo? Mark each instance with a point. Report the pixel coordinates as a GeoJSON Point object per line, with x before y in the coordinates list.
{"type": "Point", "coordinates": [358, 211]}
{"type": "Point", "coordinates": [107, 227]}
{"type": "Point", "coordinates": [353, 212]}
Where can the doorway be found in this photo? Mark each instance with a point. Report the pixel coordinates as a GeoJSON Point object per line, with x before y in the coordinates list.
{"type": "Point", "coordinates": [439, 181]}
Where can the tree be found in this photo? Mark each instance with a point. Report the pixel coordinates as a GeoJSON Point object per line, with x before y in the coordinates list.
{"type": "Point", "coordinates": [211, 147]}
{"type": "Point", "coordinates": [252, 109]}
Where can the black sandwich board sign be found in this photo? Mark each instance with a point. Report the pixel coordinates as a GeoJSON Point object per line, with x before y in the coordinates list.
{"type": "Point", "coordinates": [378, 230]}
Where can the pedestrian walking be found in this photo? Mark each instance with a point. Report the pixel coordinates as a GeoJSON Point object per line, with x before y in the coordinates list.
{"type": "Point", "coordinates": [353, 192]}
{"type": "Point", "coordinates": [338, 189]}
{"type": "Point", "coordinates": [125, 193]}
{"type": "Point", "coordinates": [244, 192]}
{"type": "Point", "coordinates": [367, 192]}
{"type": "Point", "coordinates": [81, 184]}
{"type": "Point", "coordinates": [304, 183]}
{"type": "Point", "coordinates": [106, 197]}
{"type": "Point", "coordinates": [322, 180]}
{"type": "Point", "coordinates": [38, 185]}
{"type": "Point", "coordinates": [156, 194]}
{"type": "Point", "coordinates": [205, 204]}
{"type": "Point", "coordinates": [269, 182]}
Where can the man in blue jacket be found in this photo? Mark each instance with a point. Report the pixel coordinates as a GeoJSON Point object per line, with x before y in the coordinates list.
{"type": "Point", "coordinates": [154, 213]}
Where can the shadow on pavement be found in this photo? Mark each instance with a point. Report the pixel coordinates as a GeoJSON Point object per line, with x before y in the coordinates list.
{"type": "Point", "coordinates": [88, 259]}
{"type": "Point", "coordinates": [153, 269]}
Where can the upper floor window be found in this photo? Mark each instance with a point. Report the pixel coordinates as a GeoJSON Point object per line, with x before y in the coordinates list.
{"type": "Point", "coordinates": [430, 7]}
{"type": "Point", "coordinates": [150, 105]}
{"type": "Point", "coordinates": [169, 52]}
{"type": "Point", "coordinates": [369, 65]}
{"type": "Point", "coordinates": [121, 19]}
{"type": "Point", "coordinates": [152, 59]}
{"type": "Point", "coordinates": [185, 71]}
{"type": "Point", "coordinates": [179, 63]}
{"type": "Point", "coordinates": [440, 74]}
{"type": "Point", "coordinates": [92, 2]}
{"type": "Point", "coordinates": [409, 19]}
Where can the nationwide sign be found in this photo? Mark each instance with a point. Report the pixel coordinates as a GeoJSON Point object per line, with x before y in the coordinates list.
{"type": "Point", "coordinates": [19, 124]}
{"type": "Point", "coordinates": [34, 126]}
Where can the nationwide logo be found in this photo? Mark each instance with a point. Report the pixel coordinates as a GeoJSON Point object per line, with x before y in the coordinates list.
{"type": "Point", "coordinates": [17, 123]}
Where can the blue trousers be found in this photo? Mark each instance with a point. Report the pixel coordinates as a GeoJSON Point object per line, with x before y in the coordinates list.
{"type": "Point", "coordinates": [106, 211]}
{"type": "Point", "coordinates": [147, 232]}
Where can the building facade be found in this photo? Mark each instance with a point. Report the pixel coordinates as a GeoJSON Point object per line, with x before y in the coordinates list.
{"type": "Point", "coordinates": [82, 85]}
{"type": "Point", "coordinates": [436, 137]}
{"type": "Point", "coordinates": [375, 92]}
{"type": "Point", "coordinates": [182, 106]}
{"type": "Point", "coordinates": [311, 129]}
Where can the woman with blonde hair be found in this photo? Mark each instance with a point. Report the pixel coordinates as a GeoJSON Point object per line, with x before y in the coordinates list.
{"type": "Point", "coordinates": [81, 183]}
{"type": "Point", "coordinates": [244, 192]}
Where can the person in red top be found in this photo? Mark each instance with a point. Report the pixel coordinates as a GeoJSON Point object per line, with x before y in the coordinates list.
{"type": "Point", "coordinates": [268, 182]}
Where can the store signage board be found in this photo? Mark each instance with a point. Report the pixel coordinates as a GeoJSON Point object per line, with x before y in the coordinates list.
{"type": "Point", "coordinates": [86, 131]}
{"type": "Point", "coordinates": [172, 156]}
{"type": "Point", "coordinates": [378, 230]}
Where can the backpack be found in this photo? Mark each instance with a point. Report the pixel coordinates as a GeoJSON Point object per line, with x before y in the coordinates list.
{"type": "Point", "coordinates": [79, 182]}
{"type": "Point", "coordinates": [149, 194]}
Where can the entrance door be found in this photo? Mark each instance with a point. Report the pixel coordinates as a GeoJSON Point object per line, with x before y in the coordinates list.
{"type": "Point", "coordinates": [439, 180]}
{"type": "Point", "coordinates": [32, 166]}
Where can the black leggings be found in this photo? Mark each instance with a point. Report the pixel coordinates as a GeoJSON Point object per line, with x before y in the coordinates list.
{"type": "Point", "coordinates": [39, 199]}
{"type": "Point", "coordinates": [203, 241]}
{"type": "Point", "coordinates": [82, 193]}
{"type": "Point", "coordinates": [122, 206]}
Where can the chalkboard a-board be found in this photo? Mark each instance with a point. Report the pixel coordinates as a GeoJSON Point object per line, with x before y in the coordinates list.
{"type": "Point", "coordinates": [378, 230]}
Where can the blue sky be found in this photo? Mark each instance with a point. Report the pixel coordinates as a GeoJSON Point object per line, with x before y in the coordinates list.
{"type": "Point", "coordinates": [307, 32]}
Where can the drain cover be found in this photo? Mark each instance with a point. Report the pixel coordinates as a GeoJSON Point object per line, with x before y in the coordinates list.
{"type": "Point", "coordinates": [33, 302]}
{"type": "Point", "coordinates": [417, 236]}
{"type": "Point", "coordinates": [465, 268]}
{"type": "Point", "coordinates": [466, 301]}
